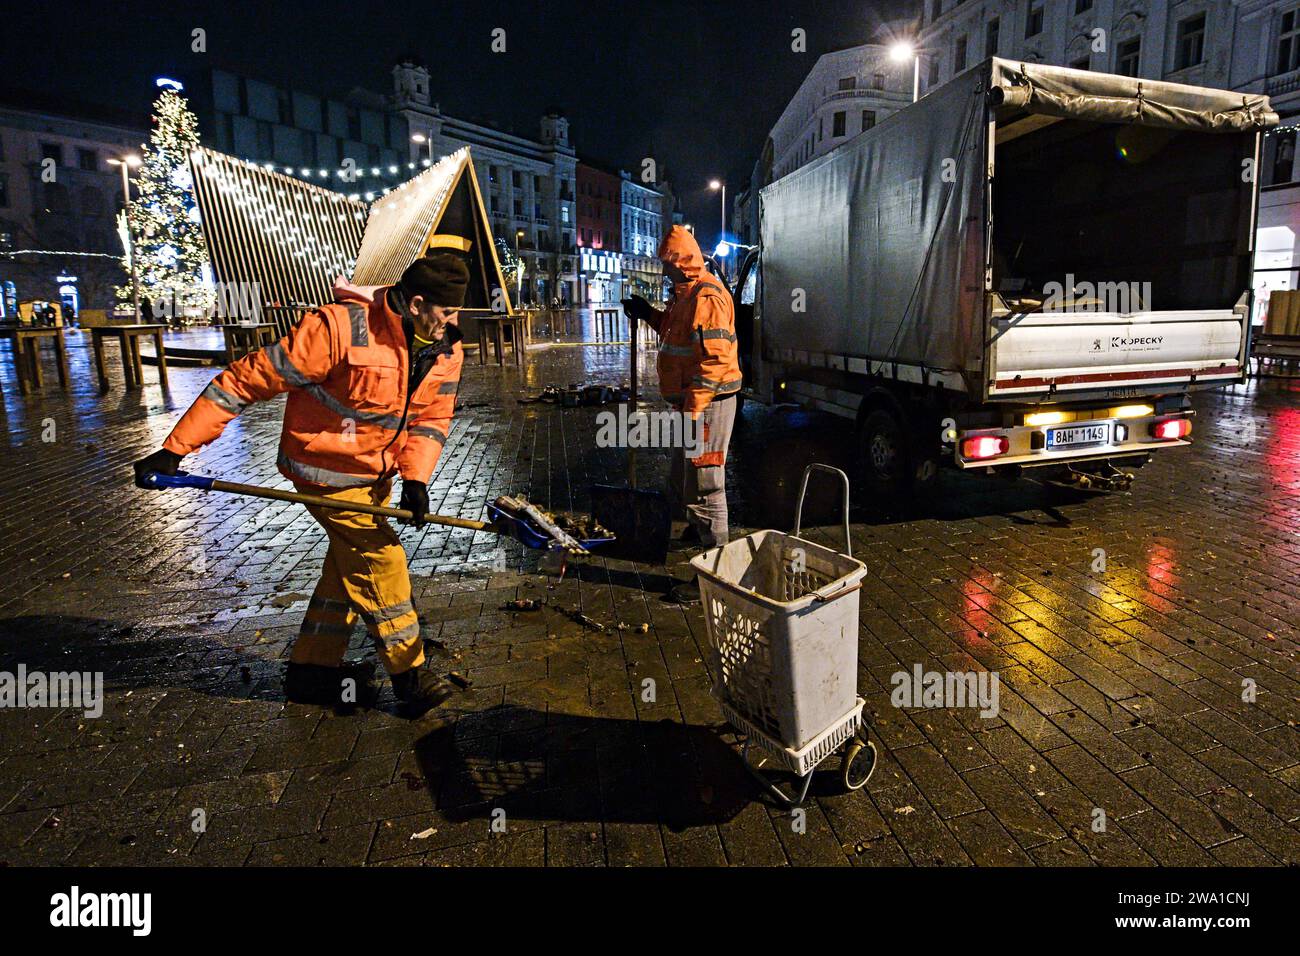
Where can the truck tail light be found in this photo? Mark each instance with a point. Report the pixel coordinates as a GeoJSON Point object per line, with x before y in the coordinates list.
{"type": "Point", "coordinates": [1168, 429]}
{"type": "Point", "coordinates": [979, 447]}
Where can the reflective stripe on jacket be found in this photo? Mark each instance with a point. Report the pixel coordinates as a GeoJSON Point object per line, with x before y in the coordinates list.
{"type": "Point", "coordinates": [698, 358]}
{"type": "Point", "coordinates": [347, 421]}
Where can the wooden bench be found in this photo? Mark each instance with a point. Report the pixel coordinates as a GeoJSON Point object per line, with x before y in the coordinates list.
{"type": "Point", "coordinates": [128, 340]}
{"type": "Point", "coordinates": [27, 354]}
{"type": "Point", "coordinates": [495, 325]}
{"type": "Point", "coordinates": [242, 338]}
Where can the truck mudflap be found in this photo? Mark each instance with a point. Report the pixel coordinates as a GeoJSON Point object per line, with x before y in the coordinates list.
{"type": "Point", "coordinates": [1055, 443]}
{"type": "Point", "coordinates": [1062, 352]}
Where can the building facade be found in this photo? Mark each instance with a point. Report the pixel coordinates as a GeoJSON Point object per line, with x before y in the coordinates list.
{"type": "Point", "coordinates": [1252, 46]}
{"type": "Point", "coordinates": [355, 144]}
{"type": "Point", "coordinates": [366, 143]}
{"type": "Point", "coordinates": [600, 239]}
{"type": "Point", "coordinates": [645, 212]}
{"type": "Point", "coordinates": [846, 92]}
{"type": "Point", "coordinates": [529, 186]}
{"type": "Point", "coordinates": [59, 200]}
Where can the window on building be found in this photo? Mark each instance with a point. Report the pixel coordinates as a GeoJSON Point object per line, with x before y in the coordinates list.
{"type": "Point", "coordinates": [1191, 42]}
{"type": "Point", "coordinates": [2, 148]}
{"type": "Point", "coordinates": [959, 55]}
{"type": "Point", "coordinates": [868, 119]}
{"type": "Point", "coordinates": [1127, 55]}
{"type": "Point", "coordinates": [1082, 6]}
{"type": "Point", "coordinates": [265, 143]}
{"type": "Point", "coordinates": [1034, 21]}
{"type": "Point", "coordinates": [87, 160]}
{"type": "Point", "coordinates": [878, 81]}
{"type": "Point", "coordinates": [1283, 170]}
{"type": "Point", "coordinates": [52, 151]}
{"type": "Point", "coordinates": [991, 37]}
{"type": "Point", "coordinates": [848, 83]}
{"type": "Point", "coordinates": [56, 199]}
{"type": "Point", "coordinates": [1288, 42]}
{"type": "Point", "coordinates": [4, 190]}
{"type": "Point", "coordinates": [284, 102]}
{"type": "Point", "coordinates": [936, 8]}
{"type": "Point", "coordinates": [838, 123]}
{"type": "Point", "coordinates": [92, 202]}
{"type": "Point", "coordinates": [354, 124]}
{"type": "Point", "coordinates": [933, 78]}
{"type": "Point", "coordinates": [516, 180]}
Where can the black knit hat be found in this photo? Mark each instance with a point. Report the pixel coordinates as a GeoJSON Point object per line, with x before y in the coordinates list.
{"type": "Point", "coordinates": [440, 278]}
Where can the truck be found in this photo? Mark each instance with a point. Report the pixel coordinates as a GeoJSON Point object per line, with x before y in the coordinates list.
{"type": "Point", "coordinates": [1028, 271]}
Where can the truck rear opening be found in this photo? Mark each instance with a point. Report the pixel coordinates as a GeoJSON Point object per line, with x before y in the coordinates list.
{"type": "Point", "coordinates": [1119, 256]}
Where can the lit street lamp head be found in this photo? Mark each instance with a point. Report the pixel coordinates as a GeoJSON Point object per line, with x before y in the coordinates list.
{"type": "Point", "coordinates": [902, 51]}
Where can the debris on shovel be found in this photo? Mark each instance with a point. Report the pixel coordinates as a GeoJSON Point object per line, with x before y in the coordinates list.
{"type": "Point", "coordinates": [523, 604]}
{"type": "Point", "coordinates": [639, 628]}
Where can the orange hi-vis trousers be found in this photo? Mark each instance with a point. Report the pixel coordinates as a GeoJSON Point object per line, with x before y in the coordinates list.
{"type": "Point", "coordinates": [365, 572]}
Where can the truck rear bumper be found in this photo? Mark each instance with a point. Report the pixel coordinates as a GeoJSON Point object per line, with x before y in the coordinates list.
{"type": "Point", "coordinates": [1030, 446]}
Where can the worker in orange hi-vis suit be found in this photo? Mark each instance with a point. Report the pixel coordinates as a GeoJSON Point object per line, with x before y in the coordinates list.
{"type": "Point", "coordinates": [699, 375]}
{"type": "Point", "coordinates": [372, 387]}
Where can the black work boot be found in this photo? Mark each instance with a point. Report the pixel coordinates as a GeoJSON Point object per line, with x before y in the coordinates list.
{"type": "Point", "coordinates": [418, 691]}
{"type": "Point", "coordinates": [329, 686]}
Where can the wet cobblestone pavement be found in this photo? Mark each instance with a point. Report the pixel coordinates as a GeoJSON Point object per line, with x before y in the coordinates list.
{"type": "Point", "coordinates": [1121, 691]}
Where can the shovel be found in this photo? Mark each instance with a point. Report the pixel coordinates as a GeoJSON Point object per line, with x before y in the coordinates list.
{"type": "Point", "coordinates": [537, 534]}
{"type": "Point", "coordinates": [641, 521]}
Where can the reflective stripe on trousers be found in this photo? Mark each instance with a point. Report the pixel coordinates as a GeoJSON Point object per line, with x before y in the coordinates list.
{"type": "Point", "coordinates": [700, 491]}
{"type": "Point", "coordinates": [364, 573]}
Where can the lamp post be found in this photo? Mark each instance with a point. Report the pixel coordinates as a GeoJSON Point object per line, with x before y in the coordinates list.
{"type": "Point", "coordinates": [125, 162]}
{"type": "Point", "coordinates": [718, 185]}
{"type": "Point", "coordinates": [422, 139]}
{"type": "Point", "coordinates": [903, 51]}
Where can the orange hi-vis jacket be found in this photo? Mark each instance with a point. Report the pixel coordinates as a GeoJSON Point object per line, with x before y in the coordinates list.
{"type": "Point", "coordinates": [349, 420]}
{"type": "Point", "coordinates": [698, 359]}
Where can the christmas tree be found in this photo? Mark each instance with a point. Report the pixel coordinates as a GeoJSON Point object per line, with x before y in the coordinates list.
{"type": "Point", "coordinates": [164, 218]}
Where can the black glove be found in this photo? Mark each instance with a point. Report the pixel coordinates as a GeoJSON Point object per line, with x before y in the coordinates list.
{"type": "Point", "coordinates": [415, 499]}
{"type": "Point", "coordinates": [162, 461]}
{"type": "Point", "coordinates": [637, 307]}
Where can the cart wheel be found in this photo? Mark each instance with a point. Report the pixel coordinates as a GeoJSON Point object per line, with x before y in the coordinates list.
{"type": "Point", "coordinates": [857, 764]}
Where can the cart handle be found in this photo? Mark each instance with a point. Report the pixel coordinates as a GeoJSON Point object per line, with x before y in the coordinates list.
{"type": "Point", "coordinates": [829, 594]}
{"type": "Point", "coordinates": [803, 488]}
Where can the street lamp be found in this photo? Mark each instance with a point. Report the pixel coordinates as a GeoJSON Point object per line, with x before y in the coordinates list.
{"type": "Point", "coordinates": [718, 185]}
{"type": "Point", "coordinates": [130, 161]}
{"type": "Point", "coordinates": [903, 51]}
{"type": "Point", "coordinates": [421, 138]}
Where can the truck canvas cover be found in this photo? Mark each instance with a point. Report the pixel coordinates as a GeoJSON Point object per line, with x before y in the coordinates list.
{"type": "Point", "coordinates": [878, 251]}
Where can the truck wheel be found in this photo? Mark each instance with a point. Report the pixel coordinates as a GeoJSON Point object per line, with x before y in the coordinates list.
{"type": "Point", "coordinates": [883, 457]}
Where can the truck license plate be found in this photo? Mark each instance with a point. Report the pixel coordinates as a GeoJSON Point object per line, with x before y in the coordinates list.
{"type": "Point", "coordinates": [1078, 435]}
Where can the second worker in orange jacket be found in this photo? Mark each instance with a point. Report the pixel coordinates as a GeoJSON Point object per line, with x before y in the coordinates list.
{"type": "Point", "coordinates": [699, 375]}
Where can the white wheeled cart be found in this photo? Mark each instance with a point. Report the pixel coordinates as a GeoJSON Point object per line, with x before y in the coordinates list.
{"type": "Point", "coordinates": [781, 615]}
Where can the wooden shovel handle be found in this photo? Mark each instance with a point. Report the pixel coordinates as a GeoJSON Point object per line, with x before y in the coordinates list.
{"type": "Point", "coordinates": [257, 491]}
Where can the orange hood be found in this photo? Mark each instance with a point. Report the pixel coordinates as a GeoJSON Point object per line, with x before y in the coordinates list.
{"type": "Point", "coordinates": [680, 248]}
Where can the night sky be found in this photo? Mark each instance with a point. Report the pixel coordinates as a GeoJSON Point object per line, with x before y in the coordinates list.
{"type": "Point", "coordinates": [697, 85]}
